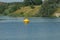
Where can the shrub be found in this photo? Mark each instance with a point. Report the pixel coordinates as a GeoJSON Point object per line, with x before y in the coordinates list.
{"type": "Point", "coordinates": [32, 6]}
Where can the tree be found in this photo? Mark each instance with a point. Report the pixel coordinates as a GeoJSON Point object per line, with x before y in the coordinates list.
{"type": "Point", "coordinates": [34, 2]}
{"type": "Point", "coordinates": [37, 2]}
{"type": "Point", "coordinates": [48, 8]}
{"type": "Point", "coordinates": [2, 8]}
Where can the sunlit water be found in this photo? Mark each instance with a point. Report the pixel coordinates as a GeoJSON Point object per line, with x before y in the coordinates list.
{"type": "Point", "coordinates": [37, 29]}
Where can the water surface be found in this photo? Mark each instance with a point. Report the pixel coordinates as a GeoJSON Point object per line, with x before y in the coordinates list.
{"type": "Point", "coordinates": [37, 29]}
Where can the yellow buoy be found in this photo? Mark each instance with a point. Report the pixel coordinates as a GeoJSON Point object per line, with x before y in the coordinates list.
{"type": "Point", "coordinates": [26, 21]}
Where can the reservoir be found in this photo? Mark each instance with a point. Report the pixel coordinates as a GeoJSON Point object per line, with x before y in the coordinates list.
{"type": "Point", "coordinates": [37, 29]}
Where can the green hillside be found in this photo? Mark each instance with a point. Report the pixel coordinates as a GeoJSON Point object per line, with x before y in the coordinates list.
{"type": "Point", "coordinates": [18, 9]}
{"type": "Point", "coordinates": [30, 8]}
{"type": "Point", "coordinates": [26, 11]}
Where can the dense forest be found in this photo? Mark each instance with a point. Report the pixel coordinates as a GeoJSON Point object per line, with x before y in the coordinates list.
{"type": "Point", "coordinates": [31, 8]}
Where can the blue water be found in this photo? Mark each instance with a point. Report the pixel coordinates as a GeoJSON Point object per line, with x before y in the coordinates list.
{"type": "Point", "coordinates": [37, 29]}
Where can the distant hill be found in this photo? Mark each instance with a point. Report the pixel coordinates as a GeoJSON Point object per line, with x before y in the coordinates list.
{"type": "Point", "coordinates": [2, 3]}
{"type": "Point", "coordinates": [19, 9]}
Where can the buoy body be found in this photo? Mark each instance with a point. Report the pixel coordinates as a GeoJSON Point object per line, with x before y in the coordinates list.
{"type": "Point", "coordinates": [26, 21]}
